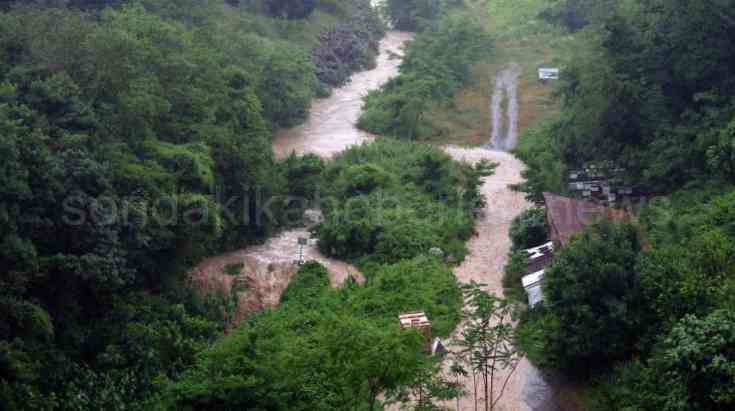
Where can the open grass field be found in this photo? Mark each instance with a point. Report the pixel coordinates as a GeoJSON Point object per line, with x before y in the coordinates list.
{"type": "Point", "coordinates": [521, 38]}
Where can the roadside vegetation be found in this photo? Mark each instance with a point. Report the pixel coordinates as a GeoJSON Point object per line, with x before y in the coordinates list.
{"type": "Point", "coordinates": [323, 348]}
{"type": "Point", "coordinates": [642, 314]}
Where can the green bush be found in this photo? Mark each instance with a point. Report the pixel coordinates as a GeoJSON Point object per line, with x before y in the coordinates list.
{"type": "Point", "coordinates": [303, 175]}
{"type": "Point", "coordinates": [436, 64]}
{"type": "Point", "coordinates": [324, 349]}
{"type": "Point", "coordinates": [545, 170]}
{"type": "Point", "coordinates": [411, 15]}
{"type": "Point", "coordinates": [111, 117]}
{"type": "Point", "coordinates": [307, 285]}
{"type": "Point", "coordinates": [529, 229]}
{"type": "Point", "coordinates": [513, 273]}
{"type": "Point", "coordinates": [419, 284]}
{"type": "Point", "coordinates": [396, 200]}
{"type": "Point", "coordinates": [695, 359]}
{"type": "Point", "coordinates": [291, 9]}
{"type": "Point", "coordinates": [532, 335]}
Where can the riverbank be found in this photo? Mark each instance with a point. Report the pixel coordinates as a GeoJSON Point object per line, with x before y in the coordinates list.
{"type": "Point", "coordinates": [267, 270]}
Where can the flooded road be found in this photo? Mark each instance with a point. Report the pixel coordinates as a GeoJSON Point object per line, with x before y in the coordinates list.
{"type": "Point", "coordinates": [331, 125]}
{"type": "Point", "coordinates": [331, 129]}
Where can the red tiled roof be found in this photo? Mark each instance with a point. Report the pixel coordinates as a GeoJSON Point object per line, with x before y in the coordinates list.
{"type": "Point", "coordinates": [568, 216]}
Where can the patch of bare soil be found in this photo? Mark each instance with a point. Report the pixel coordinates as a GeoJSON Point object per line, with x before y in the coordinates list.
{"type": "Point", "coordinates": [266, 271]}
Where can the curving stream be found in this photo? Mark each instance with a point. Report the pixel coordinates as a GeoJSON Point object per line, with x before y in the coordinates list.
{"type": "Point", "coordinates": [329, 130]}
{"type": "Point", "coordinates": [331, 124]}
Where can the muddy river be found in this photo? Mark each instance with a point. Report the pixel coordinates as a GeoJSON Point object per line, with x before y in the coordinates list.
{"type": "Point", "coordinates": [331, 124]}
{"type": "Point", "coordinates": [329, 130]}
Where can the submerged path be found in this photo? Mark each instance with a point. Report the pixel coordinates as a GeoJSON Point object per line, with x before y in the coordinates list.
{"type": "Point", "coordinates": [266, 270]}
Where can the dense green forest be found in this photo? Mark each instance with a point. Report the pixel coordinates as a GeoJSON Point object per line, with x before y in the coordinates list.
{"type": "Point", "coordinates": [391, 201]}
{"type": "Point", "coordinates": [135, 140]}
{"type": "Point", "coordinates": [644, 309]}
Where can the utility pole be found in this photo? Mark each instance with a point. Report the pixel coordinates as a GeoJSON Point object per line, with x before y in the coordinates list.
{"type": "Point", "coordinates": [302, 241]}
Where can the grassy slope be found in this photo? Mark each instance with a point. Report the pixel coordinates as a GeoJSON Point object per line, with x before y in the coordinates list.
{"type": "Point", "coordinates": [520, 38]}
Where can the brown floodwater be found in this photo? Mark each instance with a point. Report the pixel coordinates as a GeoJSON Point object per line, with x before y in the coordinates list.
{"type": "Point", "coordinates": [331, 129]}
{"type": "Point", "coordinates": [331, 125]}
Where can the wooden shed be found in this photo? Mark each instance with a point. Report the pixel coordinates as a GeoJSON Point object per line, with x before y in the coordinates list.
{"type": "Point", "coordinates": [418, 320]}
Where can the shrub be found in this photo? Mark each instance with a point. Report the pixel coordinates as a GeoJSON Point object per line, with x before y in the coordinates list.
{"type": "Point", "coordinates": [290, 9]}
{"type": "Point", "coordinates": [436, 64]}
{"type": "Point", "coordinates": [234, 269]}
{"type": "Point", "coordinates": [513, 273]}
{"type": "Point", "coordinates": [307, 284]}
{"type": "Point", "coordinates": [412, 14]}
{"type": "Point", "coordinates": [419, 284]}
{"type": "Point", "coordinates": [529, 229]}
{"type": "Point", "coordinates": [303, 174]}
{"type": "Point", "coordinates": [395, 200]}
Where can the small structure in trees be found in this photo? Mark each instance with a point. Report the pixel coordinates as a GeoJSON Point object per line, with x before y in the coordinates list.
{"type": "Point", "coordinates": [601, 182]}
{"type": "Point", "coordinates": [545, 73]}
{"type": "Point", "coordinates": [420, 321]}
{"type": "Point", "coordinates": [539, 257]}
{"type": "Point", "coordinates": [532, 283]}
